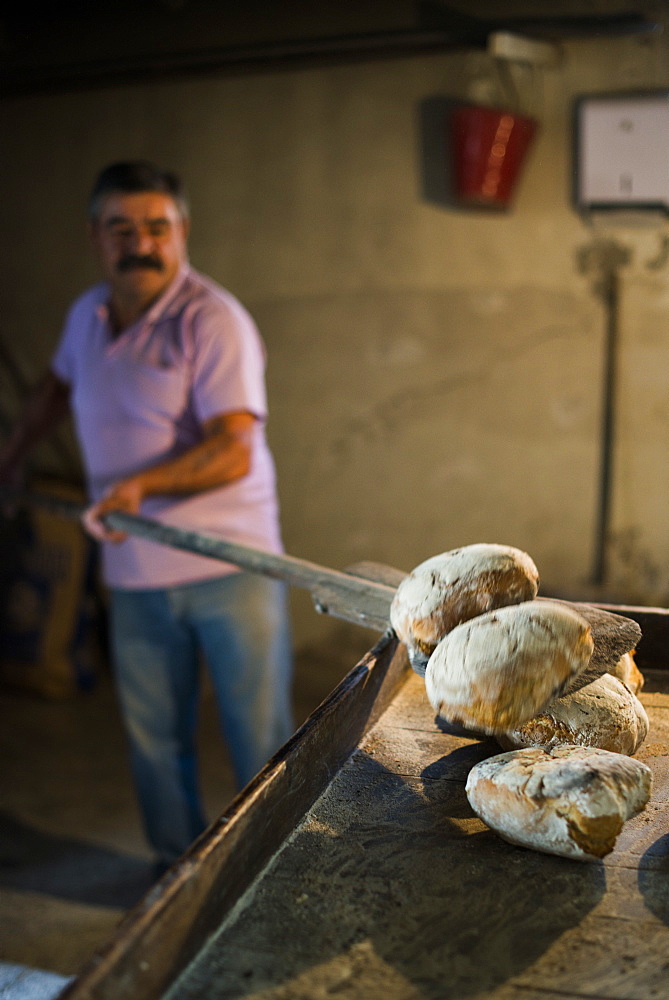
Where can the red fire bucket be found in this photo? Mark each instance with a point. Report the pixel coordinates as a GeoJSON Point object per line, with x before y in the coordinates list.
{"type": "Point", "coordinates": [489, 146]}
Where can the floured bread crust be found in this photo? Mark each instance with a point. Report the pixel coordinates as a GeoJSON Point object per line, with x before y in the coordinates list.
{"type": "Point", "coordinates": [493, 673]}
{"type": "Point", "coordinates": [571, 801]}
{"type": "Point", "coordinates": [453, 587]}
{"type": "Point", "coordinates": [604, 714]}
{"type": "Point", "coordinates": [627, 671]}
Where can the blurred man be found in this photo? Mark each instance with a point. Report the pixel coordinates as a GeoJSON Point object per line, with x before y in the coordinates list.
{"type": "Point", "coordinates": [163, 371]}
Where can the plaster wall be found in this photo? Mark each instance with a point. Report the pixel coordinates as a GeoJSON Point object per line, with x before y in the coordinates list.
{"type": "Point", "coordinates": [435, 376]}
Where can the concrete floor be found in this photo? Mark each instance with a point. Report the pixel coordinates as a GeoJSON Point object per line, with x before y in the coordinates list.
{"type": "Point", "coordinates": [72, 855]}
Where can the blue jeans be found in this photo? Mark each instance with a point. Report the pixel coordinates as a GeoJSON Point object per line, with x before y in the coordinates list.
{"type": "Point", "coordinates": [239, 624]}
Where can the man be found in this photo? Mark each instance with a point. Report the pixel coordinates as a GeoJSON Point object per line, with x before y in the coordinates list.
{"type": "Point", "coordinates": [164, 373]}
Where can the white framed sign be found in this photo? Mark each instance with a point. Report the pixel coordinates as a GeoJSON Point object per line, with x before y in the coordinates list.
{"type": "Point", "coordinates": [621, 152]}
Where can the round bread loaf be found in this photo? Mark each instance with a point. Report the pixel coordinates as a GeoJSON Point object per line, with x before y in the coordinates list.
{"type": "Point", "coordinates": [453, 587]}
{"type": "Point", "coordinates": [602, 714]}
{"type": "Point", "coordinates": [570, 801]}
{"type": "Point", "coordinates": [493, 673]}
{"type": "Point", "coordinates": [627, 671]}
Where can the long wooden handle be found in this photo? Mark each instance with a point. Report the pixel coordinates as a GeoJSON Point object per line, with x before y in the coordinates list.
{"type": "Point", "coordinates": [344, 595]}
{"type": "Point", "coordinates": [362, 594]}
{"type": "Point", "coordinates": [341, 594]}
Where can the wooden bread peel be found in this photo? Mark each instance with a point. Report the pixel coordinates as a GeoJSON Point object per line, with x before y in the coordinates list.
{"type": "Point", "coordinates": [361, 594]}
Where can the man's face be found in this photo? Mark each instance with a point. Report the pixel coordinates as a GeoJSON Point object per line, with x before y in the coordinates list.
{"type": "Point", "coordinates": [140, 241]}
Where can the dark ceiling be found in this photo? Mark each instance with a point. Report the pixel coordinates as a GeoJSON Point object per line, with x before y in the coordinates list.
{"type": "Point", "coordinates": [79, 43]}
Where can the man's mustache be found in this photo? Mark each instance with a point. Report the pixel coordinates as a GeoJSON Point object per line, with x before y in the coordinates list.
{"type": "Point", "coordinates": [134, 262]}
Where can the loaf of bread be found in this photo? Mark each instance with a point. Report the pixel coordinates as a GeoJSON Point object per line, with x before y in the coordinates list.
{"type": "Point", "coordinates": [493, 673]}
{"type": "Point", "coordinates": [453, 587]}
{"type": "Point", "coordinates": [604, 714]}
{"type": "Point", "coordinates": [627, 671]}
{"type": "Point", "coordinates": [571, 800]}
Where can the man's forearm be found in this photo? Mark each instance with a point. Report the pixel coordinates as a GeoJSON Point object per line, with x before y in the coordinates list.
{"type": "Point", "coordinates": [222, 457]}
{"type": "Point", "coordinates": [45, 407]}
{"type": "Point", "coordinates": [217, 460]}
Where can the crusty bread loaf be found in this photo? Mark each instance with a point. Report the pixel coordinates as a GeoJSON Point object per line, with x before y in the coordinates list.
{"type": "Point", "coordinates": [603, 714]}
{"type": "Point", "coordinates": [627, 671]}
{"type": "Point", "coordinates": [571, 801]}
{"type": "Point", "coordinates": [496, 671]}
{"type": "Point", "coordinates": [453, 587]}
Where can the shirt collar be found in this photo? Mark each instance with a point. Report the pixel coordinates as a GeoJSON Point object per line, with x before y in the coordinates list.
{"type": "Point", "coordinates": [168, 302]}
{"type": "Point", "coordinates": [164, 306]}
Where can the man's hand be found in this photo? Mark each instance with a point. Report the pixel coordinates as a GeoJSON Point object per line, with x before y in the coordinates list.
{"type": "Point", "coordinates": [125, 496]}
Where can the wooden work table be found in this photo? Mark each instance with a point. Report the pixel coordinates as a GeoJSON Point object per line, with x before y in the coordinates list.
{"type": "Point", "coordinates": [378, 881]}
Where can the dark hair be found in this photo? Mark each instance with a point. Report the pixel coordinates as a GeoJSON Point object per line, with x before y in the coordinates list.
{"type": "Point", "coordinates": [134, 176]}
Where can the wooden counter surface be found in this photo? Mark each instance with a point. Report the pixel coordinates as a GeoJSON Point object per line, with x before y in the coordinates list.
{"type": "Point", "coordinates": [391, 888]}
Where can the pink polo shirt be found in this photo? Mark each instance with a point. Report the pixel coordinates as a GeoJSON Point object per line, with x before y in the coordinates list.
{"type": "Point", "coordinates": [141, 398]}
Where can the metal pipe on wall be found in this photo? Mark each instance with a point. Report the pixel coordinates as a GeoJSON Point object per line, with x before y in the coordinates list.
{"type": "Point", "coordinates": [604, 259]}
